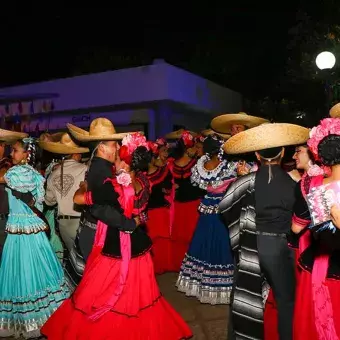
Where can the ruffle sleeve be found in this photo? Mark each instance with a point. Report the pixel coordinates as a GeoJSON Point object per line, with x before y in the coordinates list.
{"type": "Point", "coordinates": [24, 178]}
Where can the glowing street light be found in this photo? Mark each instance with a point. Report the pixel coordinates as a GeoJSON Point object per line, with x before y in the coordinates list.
{"type": "Point", "coordinates": [325, 60]}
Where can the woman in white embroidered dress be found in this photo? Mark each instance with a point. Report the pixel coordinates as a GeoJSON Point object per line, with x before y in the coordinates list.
{"type": "Point", "coordinates": [207, 269]}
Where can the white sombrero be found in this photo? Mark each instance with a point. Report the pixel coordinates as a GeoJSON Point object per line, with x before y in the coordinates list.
{"type": "Point", "coordinates": [208, 132]}
{"type": "Point", "coordinates": [335, 111]}
{"type": "Point", "coordinates": [101, 129]}
{"type": "Point", "coordinates": [266, 136]}
{"type": "Point", "coordinates": [11, 136]}
{"type": "Point", "coordinates": [60, 143]}
{"type": "Point", "coordinates": [223, 123]}
{"type": "Point", "coordinates": [178, 134]}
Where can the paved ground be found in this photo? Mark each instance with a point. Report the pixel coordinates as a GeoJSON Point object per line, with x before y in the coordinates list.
{"type": "Point", "coordinates": [207, 322]}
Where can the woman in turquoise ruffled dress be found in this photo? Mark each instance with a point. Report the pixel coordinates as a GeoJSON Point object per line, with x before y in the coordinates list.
{"type": "Point", "coordinates": [32, 283]}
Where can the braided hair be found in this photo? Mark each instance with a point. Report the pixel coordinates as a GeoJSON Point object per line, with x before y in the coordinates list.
{"type": "Point", "coordinates": [29, 145]}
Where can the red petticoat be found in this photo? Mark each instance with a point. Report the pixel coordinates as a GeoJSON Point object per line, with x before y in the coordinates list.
{"type": "Point", "coordinates": [304, 320]}
{"type": "Point", "coordinates": [270, 318]}
{"type": "Point", "coordinates": [140, 313]}
{"type": "Point", "coordinates": [158, 227]}
{"type": "Point", "coordinates": [185, 221]}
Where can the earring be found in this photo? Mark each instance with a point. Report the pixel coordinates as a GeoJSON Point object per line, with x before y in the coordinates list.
{"type": "Point", "coordinates": [23, 161]}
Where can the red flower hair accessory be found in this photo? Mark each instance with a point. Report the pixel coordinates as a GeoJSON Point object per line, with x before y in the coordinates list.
{"type": "Point", "coordinates": [188, 139]}
{"type": "Point", "coordinates": [199, 139]}
{"type": "Point", "coordinates": [153, 147]}
{"type": "Point", "coordinates": [328, 126]}
{"type": "Point", "coordinates": [129, 144]}
{"type": "Point", "coordinates": [161, 142]}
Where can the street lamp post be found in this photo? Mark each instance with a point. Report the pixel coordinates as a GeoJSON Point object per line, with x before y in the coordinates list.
{"type": "Point", "coordinates": [325, 61]}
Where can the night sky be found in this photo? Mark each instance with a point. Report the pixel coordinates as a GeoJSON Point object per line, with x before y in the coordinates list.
{"type": "Point", "coordinates": [243, 48]}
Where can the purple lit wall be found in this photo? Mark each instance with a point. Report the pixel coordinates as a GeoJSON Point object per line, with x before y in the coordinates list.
{"type": "Point", "coordinates": [197, 99]}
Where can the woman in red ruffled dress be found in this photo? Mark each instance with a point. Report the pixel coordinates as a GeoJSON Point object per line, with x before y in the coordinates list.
{"type": "Point", "coordinates": [317, 311]}
{"type": "Point", "coordinates": [118, 297]}
{"type": "Point", "coordinates": [160, 209]}
{"type": "Point", "coordinates": [187, 197]}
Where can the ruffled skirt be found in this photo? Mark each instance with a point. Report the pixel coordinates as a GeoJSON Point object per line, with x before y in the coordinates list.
{"type": "Point", "coordinates": [208, 267]}
{"type": "Point", "coordinates": [55, 241]}
{"type": "Point", "coordinates": [140, 313]}
{"type": "Point", "coordinates": [185, 221]}
{"type": "Point", "coordinates": [32, 285]}
{"type": "Point", "coordinates": [158, 227]}
{"type": "Point", "coordinates": [304, 317]}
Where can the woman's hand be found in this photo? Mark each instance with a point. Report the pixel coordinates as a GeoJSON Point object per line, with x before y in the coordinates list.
{"type": "Point", "coordinates": [242, 168]}
{"type": "Point", "coordinates": [79, 197]}
{"type": "Point", "coordinates": [335, 215]}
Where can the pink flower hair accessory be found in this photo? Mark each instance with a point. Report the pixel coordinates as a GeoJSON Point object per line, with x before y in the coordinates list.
{"type": "Point", "coordinates": [315, 170]}
{"type": "Point", "coordinates": [199, 139]}
{"type": "Point", "coordinates": [188, 139]}
{"type": "Point", "coordinates": [124, 179]}
{"type": "Point", "coordinates": [161, 142]}
{"type": "Point", "coordinates": [328, 126]}
{"type": "Point", "coordinates": [153, 147]}
{"type": "Point", "coordinates": [133, 140]}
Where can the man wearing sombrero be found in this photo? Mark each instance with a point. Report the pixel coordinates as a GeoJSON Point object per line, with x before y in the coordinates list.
{"type": "Point", "coordinates": [102, 139]}
{"type": "Point", "coordinates": [64, 181]}
{"type": "Point", "coordinates": [257, 209]}
{"type": "Point", "coordinates": [232, 124]}
{"type": "Point", "coordinates": [7, 137]}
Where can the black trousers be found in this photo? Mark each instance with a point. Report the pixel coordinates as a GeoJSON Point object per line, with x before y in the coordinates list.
{"type": "Point", "coordinates": [2, 235]}
{"type": "Point", "coordinates": [278, 265]}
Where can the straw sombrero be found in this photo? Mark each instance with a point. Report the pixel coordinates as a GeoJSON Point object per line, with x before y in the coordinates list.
{"type": "Point", "coordinates": [208, 132]}
{"type": "Point", "coordinates": [60, 143]}
{"type": "Point", "coordinates": [178, 134]}
{"type": "Point", "coordinates": [223, 123]}
{"type": "Point", "coordinates": [101, 129]}
{"type": "Point", "coordinates": [11, 136]}
{"type": "Point", "coordinates": [335, 111]}
{"type": "Point", "coordinates": [266, 136]}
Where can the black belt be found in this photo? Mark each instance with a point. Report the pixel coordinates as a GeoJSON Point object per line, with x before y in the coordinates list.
{"type": "Point", "coordinates": [3, 216]}
{"type": "Point", "coordinates": [264, 233]}
{"type": "Point", "coordinates": [67, 217]}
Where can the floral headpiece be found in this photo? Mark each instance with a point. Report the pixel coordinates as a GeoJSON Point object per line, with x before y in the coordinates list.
{"type": "Point", "coordinates": [188, 139]}
{"type": "Point", "coordinates": [161, 142]}
{"type": "Point", "coordinates": [153, 146]}
{"type": "Point", "coordinates": [129, 144]}
{"type": "Point", "coordinates": [328, 126]}
{"type": "Point", "coordinates": [199, 139]}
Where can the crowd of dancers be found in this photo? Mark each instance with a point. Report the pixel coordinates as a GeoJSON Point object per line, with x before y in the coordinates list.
{"type": "Point", "coordinates": [81, 239]}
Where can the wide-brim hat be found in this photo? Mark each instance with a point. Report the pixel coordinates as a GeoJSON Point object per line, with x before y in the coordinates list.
{"type": "Point", "coordinates": [208, 132]}
{"type": "Point", "coordinates": [60, 143]}
{"type": "Point", "coordinates": [101, 129]}
{"type": "Point", "coordinates": [223, 123]}
{"type": "Point", "coordinates": [334, 112]}
{"type": "Point", "coordinates": [11, 136]}
{"type": "Point", "coordinates": [178, 134]}
{"type": "Point", "coordinates": [266, 136]}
